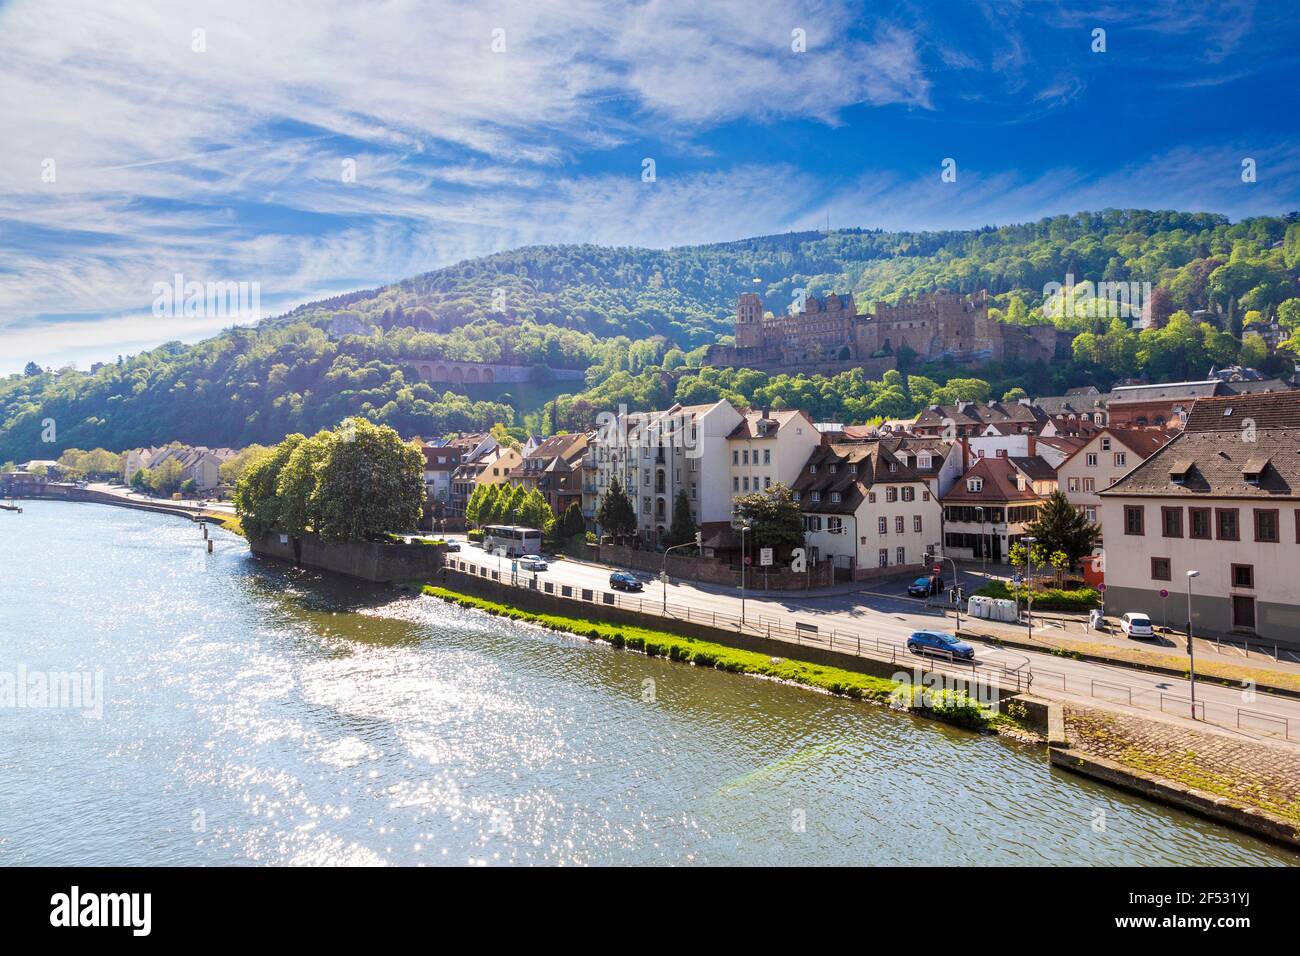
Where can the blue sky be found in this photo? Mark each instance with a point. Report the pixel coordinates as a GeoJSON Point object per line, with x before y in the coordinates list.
{"type": "Point", "coordinates": [220, 154]}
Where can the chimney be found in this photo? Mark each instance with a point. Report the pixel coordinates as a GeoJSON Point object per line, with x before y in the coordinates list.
{"type": "Point", "coordinates": [767, 412]}
{"type": "Point", "coordinates": [1032, 441]}
{"type": "Point", "coordinates": [965, 454]}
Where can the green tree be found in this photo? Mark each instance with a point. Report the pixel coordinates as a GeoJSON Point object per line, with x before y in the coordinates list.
{"type": "Point", "coordinates": [682, 529]}
{"type": "Point", "coordinates": [140, 480]}
{"type": "Point", "coordinates": [774, 518]}
{"type": "Point", "coordinates": [235, 466]}
{"type": "Point", "coordinates": [572, 523]}
{"type": "Point", "coordinates": [166, 478]}
{"type": "Point", "coordinates": [474, 506]}
{"type": "Point", "coordinates": [615, 514]}
{"type": "Point", "coordinates": [298, 486]}
{"type": "Point", "coordinates": [256, 499]}
{"type": "Point", "coordinates": [1059, 526]}
{"type": "Point", "coordinates": [535, 512]}
{"type": "Point", "coordinates": [371, 483]}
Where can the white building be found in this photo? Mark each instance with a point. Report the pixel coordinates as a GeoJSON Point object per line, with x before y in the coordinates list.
{"type": "Point", "coordinates": [1221, 499]}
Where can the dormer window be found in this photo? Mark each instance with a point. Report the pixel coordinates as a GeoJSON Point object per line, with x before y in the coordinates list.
{"type": "Point", "coordinates": [1253, 470]}
{"type": "Point", "coordinates": [798, 496]}
{"type": "Point", "coordinates": [812, 469]}
{"type": "Point", "coordinates": [975, 484]}
{"type": "Point", "coordinates": [923, 462]}
{"type": "Point", "coordinates": [1179, 470]}
{"type": "Point", "coordinates": [816, 496]}
{"type": "Point", "coordinates": [835, 497]}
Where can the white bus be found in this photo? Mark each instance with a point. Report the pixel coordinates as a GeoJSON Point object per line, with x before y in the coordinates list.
{"type": "Point", "coordinates": [515, 540]}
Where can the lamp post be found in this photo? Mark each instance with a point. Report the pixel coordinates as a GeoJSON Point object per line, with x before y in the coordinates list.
{"type": "Point", "coordinates": [984, 544]}
{"type": "Point", "coordinates": [1029, 583]}
{"type": "Point", "coordinates": [744, 530]}
{"type": "Point", "coordinates": [663, 571]}
{"type": "Point", "coordinates": [1191, 657]}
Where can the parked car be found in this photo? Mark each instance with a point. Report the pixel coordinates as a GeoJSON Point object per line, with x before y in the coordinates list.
{"type": "Point", "coordinates": [624, 581]}
{"type": "Point", "coordinates": [941, 644]}
{"type": "Point", "coordinates": [924, 587]}
{"type": "Point", "coordinates": [531, 562]}
{"type": "Point", "coordinates": [453, 546]}
{"type": "Point", "coordinates": [1133, 624]}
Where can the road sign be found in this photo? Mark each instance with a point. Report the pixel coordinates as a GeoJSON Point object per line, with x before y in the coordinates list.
{"type": "Point", "coordinates": [1164, 592]}
{"type": "Point", "coordinates": [1102, 587]}
{"type": "Point", "coordinates": [765, 557]}
{"type": "Point", "coordinates": [937, 569]}
{"type": "Point", "coordinates": [749, 559]}
{"type": "Point", "coordinates": [663, 577]}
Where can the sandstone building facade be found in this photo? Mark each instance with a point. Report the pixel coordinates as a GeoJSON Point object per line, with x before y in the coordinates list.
{"type": "Point", "coordinates": [831, 335]}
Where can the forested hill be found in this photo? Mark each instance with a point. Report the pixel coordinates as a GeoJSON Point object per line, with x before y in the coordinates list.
{"type": "Point", "coordinates": [620, 310]}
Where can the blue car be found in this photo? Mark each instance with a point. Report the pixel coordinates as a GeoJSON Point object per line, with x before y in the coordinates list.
{"type": "Point", "coordinates": [624, 581]}
{"type": "Point", "coordinates": [937, 642]}
{"type": "Point", "coordinates": [924, 587]}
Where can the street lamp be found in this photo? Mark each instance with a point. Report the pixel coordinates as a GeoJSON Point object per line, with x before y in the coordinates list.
{"type": "Point", "coordinates": [744, 530]}
{"type": "Point", "coordinates": [1029, 582]}
{"type": "Point", "coordinates": [663, 571]}
{"type": "Point", "coordinates": [1191, 657]}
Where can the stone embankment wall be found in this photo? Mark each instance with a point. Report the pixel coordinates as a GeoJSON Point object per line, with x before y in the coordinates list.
{"type": "Point", "coordinates": [380, 562]}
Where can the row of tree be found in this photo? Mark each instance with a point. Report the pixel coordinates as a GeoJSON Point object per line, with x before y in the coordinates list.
{"type": "Point", "coordinates": [356, 482]}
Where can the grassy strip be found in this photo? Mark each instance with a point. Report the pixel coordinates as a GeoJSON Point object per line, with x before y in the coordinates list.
{"type": "Point", "coordinates": [227, 521]}
{"type": "Point", "coordinates": [944, 705]}
{"type": "Point", "coordinates": [1045, 599]}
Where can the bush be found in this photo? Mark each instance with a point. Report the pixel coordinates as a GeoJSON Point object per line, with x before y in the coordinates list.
{"type": "Point", "coordinates": [1045, 599]}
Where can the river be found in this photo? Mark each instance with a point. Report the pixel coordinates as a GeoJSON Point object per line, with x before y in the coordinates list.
{"type": "Point", "coordinates": [257, 714]}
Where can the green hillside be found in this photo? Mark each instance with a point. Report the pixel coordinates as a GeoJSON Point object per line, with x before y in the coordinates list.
{"type": "Point", "coordinates": [638, 320]}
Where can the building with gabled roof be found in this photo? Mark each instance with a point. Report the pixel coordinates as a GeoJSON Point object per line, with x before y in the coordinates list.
{"type": "Point", "coordinates": [1221, 498]}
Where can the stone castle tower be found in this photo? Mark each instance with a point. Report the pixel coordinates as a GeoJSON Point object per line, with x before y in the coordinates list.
{"type": "Point", "coordinates": [749, 321]}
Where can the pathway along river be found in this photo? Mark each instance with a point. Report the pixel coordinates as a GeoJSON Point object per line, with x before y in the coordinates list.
{"type": "Point", "coordinates": [254, 713]}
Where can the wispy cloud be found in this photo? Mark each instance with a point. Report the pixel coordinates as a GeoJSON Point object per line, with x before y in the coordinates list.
{"type": "Point", "coordinates": [313, 152]}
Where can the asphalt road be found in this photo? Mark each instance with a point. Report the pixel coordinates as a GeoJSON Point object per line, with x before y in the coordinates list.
{"type": "Point", "coordinates": [885, 614]}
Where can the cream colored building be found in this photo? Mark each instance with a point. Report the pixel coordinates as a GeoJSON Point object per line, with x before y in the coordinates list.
{"type": "Point", "coordinates": [769, 448]}
{"type": "Point", "coordinates": [869, 507]}
{"type": "Point", "coordinates": [1222, 499]}
{"type": "Point", "coordinates": [1103, 460]}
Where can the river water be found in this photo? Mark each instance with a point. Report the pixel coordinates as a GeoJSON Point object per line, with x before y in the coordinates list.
{"type": "Point", "coordinates": [254, 713]}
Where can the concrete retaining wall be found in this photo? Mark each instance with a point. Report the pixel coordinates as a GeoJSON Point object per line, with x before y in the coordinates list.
{"type": "Point", "coordinates": [369, 560]}
{"type": "Point", "coordinates": [1250, 819]}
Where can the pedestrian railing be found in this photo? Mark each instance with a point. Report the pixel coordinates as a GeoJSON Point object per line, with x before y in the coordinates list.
{"type": "Point", "coordinates": [894, 650]}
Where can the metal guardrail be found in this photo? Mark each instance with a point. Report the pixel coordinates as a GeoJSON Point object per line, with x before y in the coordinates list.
{"type": "Point", "coordinates": [1020, 678]}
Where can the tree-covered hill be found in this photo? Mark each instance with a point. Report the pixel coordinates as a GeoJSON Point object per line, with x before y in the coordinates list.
{"type": "Point", "coordinates": [642, 315]}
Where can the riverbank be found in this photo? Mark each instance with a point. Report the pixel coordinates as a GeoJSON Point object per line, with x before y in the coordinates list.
{"type": "Point", "coordinates": [1159, 761]}
{"type": "Point", "coordinates": [949, 706]}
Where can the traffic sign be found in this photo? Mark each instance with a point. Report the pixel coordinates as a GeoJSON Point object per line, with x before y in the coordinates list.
{"type": "Point", "coordinates": [765, 557]}
{"type": "Point", "coordinates": [1164, 592]}
{"type": "Point", "coordinates": [937, 569]}
{"type": "Point", "coordinates": [749, 559]}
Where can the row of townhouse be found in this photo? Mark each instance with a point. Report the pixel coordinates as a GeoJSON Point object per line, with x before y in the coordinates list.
{"type": "Point", "coordinates": [198, 463]}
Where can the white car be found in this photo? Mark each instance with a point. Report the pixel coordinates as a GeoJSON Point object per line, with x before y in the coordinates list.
{"type": "Point", "coordinates": [1136, 625]}
{"type": "Point", "coordinates": [531, 562]}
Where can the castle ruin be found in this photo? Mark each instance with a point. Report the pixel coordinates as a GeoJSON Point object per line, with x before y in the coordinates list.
{"type": "Point", "coordinates": [829, 335]}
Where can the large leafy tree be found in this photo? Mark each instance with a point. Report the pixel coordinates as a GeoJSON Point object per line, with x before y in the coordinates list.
{"type": "Point", "coordinates": [370, 483]}
{"type": "Point", "coordinates": [773, 516]}
{"type": "Point", "coordinates": [1061, 527]}
{"type": "Point", "coordinates": [615, 513]}
{"type": "Point", "coordinates": [298, 486]}
{"type": "Point", "coordinates": [257, 501]}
